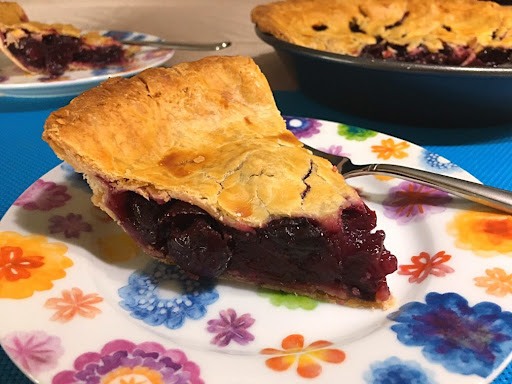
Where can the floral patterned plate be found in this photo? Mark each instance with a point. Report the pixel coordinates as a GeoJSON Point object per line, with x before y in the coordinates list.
{"type": "Point", "coordinates": [85, 305]}
{"type": "Point", "coordinates": [16, 83]}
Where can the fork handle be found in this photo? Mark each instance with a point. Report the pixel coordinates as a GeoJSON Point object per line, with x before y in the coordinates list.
{"type": "Point", "coordinates": [184, 46]}
{"type": "Point", "coordinates": [482, 194]}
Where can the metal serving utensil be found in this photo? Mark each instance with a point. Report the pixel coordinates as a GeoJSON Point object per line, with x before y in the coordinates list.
{"type": "Point", "coordinates": [183, 46]}
{"type": "Point", "coordinates": [492, 197]}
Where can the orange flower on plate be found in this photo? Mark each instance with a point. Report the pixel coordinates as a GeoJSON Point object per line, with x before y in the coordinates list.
{"type": "Point", "coordinates": [29, 263]}
{"type": "Point", "coordinates": [485, 233]}
{"type": "Point", "coordinates": [424, 265]}
{"type": "Point", "coordinates": [497, 282]}
{"type": "Point", "coordinates": [308, 366]}
{"type": "Point", "coordinates": [390, 149]}
{"type": "Point", "coordinates": [74, 303]}
{"type": "Point", "coordinates": [15, 266]}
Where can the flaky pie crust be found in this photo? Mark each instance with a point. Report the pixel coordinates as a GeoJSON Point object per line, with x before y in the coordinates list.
{"type": "Point", "coordinates": [205, 132]}
{"type": "Point", "coordinates": [346, 26]}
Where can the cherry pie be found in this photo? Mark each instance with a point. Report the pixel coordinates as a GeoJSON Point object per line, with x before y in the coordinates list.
{"type": "Point", "coordinates": [54, 48]}
{"type": "Point", "coordinates": [448, 32]}
{"type": "Point", "coordinates": [196, 164]}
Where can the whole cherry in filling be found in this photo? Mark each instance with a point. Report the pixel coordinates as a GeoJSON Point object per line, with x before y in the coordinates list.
{"type": "Point", "coordinates": [345, 259]}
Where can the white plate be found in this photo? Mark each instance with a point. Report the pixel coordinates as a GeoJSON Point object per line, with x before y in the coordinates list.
{"type": "Point", "coordinates": [16, 83]}
{"type": "Point", "coordinates": [85, 305]}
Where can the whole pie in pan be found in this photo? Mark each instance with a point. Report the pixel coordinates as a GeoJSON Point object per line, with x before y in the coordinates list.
{"type": "Point", "coordinates": [196, 164]}
{"type": "Point", "coordinates": [443, 32]}
{"type": "Point", "coordinates": [52, 49]}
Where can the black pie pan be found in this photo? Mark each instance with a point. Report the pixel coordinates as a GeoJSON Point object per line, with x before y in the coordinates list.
{"type": "Point", "coordinates": [398, 92]}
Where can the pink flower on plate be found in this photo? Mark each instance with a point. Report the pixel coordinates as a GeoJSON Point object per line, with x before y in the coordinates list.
{"type": "Point", "coordinates": [71, 225]}
{"type": "Point", "coordinates": [230, 327]}
{"type": "Point", "coordinates": [334, 150]}
{"type": "Point", "coordinates": [410, 201]}
{"type": "Point", "coordinates": [34, 351]}
{"type": "Point", "coordinates": [43, 196]}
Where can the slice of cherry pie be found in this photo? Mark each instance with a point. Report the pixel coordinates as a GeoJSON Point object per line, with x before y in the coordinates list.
{"type": "Point", "coordinates": [196, 164]}
{"type": "Point", "coordinates": [449, 32]}
{"type": "Point", "coordinates": [54, 48]}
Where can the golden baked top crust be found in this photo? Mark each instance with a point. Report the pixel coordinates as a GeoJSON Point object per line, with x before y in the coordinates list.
{"type": "Point", "coordinates": [346, 26]}
{"type": "Point", "coordinates": [205, 132]}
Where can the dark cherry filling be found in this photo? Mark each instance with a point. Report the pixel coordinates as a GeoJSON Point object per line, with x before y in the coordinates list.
{"type": "Point", "coordinates": [458, 56]}
{"type": "Point", "coordinates": [100, 56]}
{"type": "Point", "coordinates": [53, 53]}
{"type": "Point", "coordinates": [346, 260]}
{"type": "Point", "coordinates": [462, 56]}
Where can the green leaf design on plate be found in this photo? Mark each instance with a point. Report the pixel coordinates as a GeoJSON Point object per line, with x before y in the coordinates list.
{"type": "Point", "coordinates": [355, 133]}
{"type": "Point", "coordinates": [289, 300]}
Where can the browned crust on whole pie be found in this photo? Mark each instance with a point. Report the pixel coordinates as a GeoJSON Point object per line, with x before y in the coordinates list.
{"type": "Point", "coordinates": [346, 26]}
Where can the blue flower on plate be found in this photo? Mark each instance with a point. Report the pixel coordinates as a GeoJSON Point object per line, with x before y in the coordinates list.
{"type": "Point", "coordinates": [466, 340]}
{"type": "Point", "coordinates": [108, 70]}
{"type": "Point", "coordinates": [118, 35]}
{"type": "Point", "coordinates": [302, 126]}
{"type": "Point", "coordinates": [396, 371]}
{"type": "Point", "coordinates": [433, 160]}
{"type": "Point", "coordinates": [143, 296]}
{"type": "Point", "coordinates": [76, 180]}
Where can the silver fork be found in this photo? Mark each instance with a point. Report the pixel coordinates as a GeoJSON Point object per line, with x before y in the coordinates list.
{"type": "Point", "coordinates": [185, 46]}
{"type": "Point", "coordinates": [492, 197]}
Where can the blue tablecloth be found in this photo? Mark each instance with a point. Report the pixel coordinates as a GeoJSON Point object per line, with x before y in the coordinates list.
{"type": "Point", "coordinates": [24, 157]}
